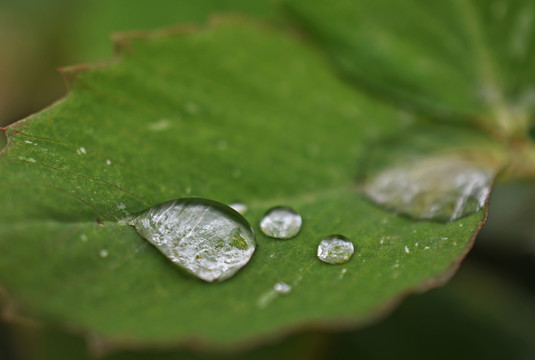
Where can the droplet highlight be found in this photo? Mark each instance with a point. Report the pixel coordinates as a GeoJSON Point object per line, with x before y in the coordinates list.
{"type": "Point", "coordinates": [281, 223]}
{"type": "Point", "coordinates": [239, 207]}
{"type": "Point", "coordinates": [335, 249]}
{"type": "Point", "coordinates": [282, 288]}
{"type": "Point", "coordinates": [206, 238]}
{"type": "Point", "coordinates": [440, 188]}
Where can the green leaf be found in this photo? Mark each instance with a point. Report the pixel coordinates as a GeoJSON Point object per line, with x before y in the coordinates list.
{"type": "Point", "coordinates": [475, 309]}
{"type": "Point", "coordinates": [467, 60]}
{"type": "Point", "coordinates": [230, 112]}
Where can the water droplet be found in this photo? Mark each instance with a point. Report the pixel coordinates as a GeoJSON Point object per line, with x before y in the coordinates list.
{"type": "Point", "coordinates": [206, 238]}
{"type": "Point", "coordinates": [239, 207]}
{"type": "Point", "coordinates": [84, 237]}
{"type": "Point", "coordinates": [108, 162]}
{"type": "Point", "coordinates": [281, 223]}
{"type": "Point", "coordinates": [335, 249]}
{"type": "Point", "coordinates": [160, 125]}
{"type": "Point", "coordinates": [282, 288]}
{"type": "Point", "coordinates": [407, 249]}
{"type": "Point", "coordinates": [442, 189]}
{"type": "Point", "coordinates": [103, 253]}
{"type": "Point", "coordinates": [81, 151]}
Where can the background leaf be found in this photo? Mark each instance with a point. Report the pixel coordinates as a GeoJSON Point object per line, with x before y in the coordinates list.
{"type": "Point", "coordinates": [38, 36]}
{"type": "Point", "coordinates": [464, 60]}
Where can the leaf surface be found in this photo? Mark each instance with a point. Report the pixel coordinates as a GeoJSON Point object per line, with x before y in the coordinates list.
{"type": "Point", "coordinates": [229, 112]}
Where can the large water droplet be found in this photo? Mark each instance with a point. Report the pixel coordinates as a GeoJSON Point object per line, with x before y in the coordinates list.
{"type": "Point", "coordinates": [435, 188]}
{"type": "Point", "coordinates": [204, 237]}
{"type": "Point", "coordinates": [335, 249]}
{"type": "Point", "coordinates": [281, 223]}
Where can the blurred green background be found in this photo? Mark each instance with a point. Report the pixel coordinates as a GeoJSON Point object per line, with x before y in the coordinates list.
{"type": "Point", "coordinates": [487, 311]}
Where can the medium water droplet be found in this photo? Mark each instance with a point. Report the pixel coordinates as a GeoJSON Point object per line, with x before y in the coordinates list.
{"type": "Point", "coordinates": [441, 188]}
{"type": "Point", "coordinates": [335, 249]}
{"type": "Point", "coordinates": [206, 238]}
{"type": "Point", "coordinates": [281, 223]}
{"type": "Point", "coordinates": [282, 288]}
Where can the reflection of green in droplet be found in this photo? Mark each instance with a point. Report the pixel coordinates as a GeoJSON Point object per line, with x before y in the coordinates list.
{"type": "Point", "coordinates": [237, 241]}
{"type": "Point", "coordinates": [206, 238]}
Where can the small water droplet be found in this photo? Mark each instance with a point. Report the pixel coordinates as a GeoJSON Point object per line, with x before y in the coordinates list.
{"type": "Point", "coordinates": [236, 173]}
{"type": "Point", "coordinates": [407, 249]}
{"type": "Point", "coordinates": [281, 223]}
{"type": "Point", "coordinates": [222, 145]}
{"type": "Point", "coordinates": [81, 151]}
{"type": "Point", "coordinates": [282, 288]}
{"type": "Point", "coordinates": [84, 237]}
{"type": "Point", "coordinates": [103, 253]}
{"type": "Point", "coordinates": [442, 189]}
{"type": "Point", "coordinates": [160, 125]}
{"type": "Point", "coordinates": [335, 249]}
{"type": "Point", "coordinates": [108, 162]}
{"type": "Point", "coordinates": [206, 238]}
{"type": "Point", "coordinates": [239, 207]}
{"type": "Point", "coordinates": [192, 108]}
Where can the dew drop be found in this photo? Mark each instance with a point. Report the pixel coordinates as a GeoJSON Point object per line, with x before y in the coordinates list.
{"type": "Point", "coordinates": [335, 249]}
{"type": "Point", "coordinates": [206, 238]}
{"type": "Point", "coordinates": [443, 189]}
{"type": "Point", "coordinates": [281, 223]}
{"type": "Point", "coordinates": [103, 253]}
{"type": "Point", "coordinates": [282, 288]}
